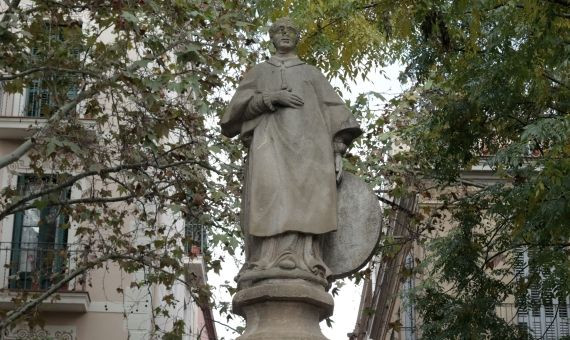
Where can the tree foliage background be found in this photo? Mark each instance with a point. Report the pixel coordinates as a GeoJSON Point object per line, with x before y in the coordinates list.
{"type": "Point", "coordinates": [488, 84]}
{"type": "Point", "coordinates": [488, 81]}
{"type": "Point", "coordinates": [132, 89]}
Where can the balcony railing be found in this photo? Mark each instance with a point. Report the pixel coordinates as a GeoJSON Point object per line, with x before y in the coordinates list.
{"type": "Point", "coordinates": [548, 322]}
{"type": "Point", "coordinates": [22, 113]}
{"type": "Point", "coordinates": [33, 102]}
{"type": "Point", "coordinates": [196, 238]}
{"type": "Point", "coordinates": [12, 104]}
{"type": "Point", "coordinates": [38, 266]}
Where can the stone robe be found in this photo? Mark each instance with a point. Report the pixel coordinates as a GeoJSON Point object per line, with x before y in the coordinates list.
{"type": "Point", "coordinates": [290, 183]}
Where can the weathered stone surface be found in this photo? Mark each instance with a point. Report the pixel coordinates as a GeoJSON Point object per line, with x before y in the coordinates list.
{"type": "Point", "coordinates": [296, 128]}
{"type": "Point", "coordinates": [348, 249]}
{"type": "Point", "coordinates": [293, 115]}
{"type": "Point", "coordinates": [283, 310]}
{"type": "Point", "coordinates": [252, 277]}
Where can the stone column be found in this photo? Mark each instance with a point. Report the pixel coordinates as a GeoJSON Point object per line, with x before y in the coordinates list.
{"type": "Point", "coordinates": [283, 310]}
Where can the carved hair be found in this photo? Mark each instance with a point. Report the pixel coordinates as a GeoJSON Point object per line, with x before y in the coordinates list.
{"type": "Point", "coordinates": [285, 21]}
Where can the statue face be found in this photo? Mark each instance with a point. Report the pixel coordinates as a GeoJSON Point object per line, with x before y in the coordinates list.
{"type": "Point", "coordinates": [284, 37]}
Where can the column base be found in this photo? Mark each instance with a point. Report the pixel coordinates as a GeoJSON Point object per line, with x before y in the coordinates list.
{"type": "Point", "coordinates": [283, 310]}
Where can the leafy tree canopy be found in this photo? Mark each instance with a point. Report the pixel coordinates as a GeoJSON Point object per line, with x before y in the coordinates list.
{"type": "Point", "coordinates": [126, 92]}
{"type": "Point", "coordinates": [488, 81]}
{"type": "Point", "coordinates": [488, 85]}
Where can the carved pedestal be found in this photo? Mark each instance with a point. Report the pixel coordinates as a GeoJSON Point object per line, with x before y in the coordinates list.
{"type": "Point", "coordinates": [283, 310]}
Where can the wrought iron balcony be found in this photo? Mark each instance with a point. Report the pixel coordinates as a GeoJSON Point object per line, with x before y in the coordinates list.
{"type": "Point", "coordinates": [196, 238]}
{"type": "Point", "coordinates": [22, 112]}
{"type": "Point", "coordinates": [15, 122]}
{"type": "Point", "coordinates": [196, 243]}
{"type": "Point", "coordinates": [38, 266]}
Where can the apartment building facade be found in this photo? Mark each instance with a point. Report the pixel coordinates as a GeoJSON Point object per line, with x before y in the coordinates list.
{"type": "Point", "coordinates": [385, 313]}
{"type": "Point", "coordinates": [38, 246]}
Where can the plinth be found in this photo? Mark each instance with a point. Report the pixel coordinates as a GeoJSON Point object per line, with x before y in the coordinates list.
{"type": "Point", "coordinates": [283, 310]}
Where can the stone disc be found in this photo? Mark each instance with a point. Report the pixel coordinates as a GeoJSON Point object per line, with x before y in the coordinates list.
{"type": "Point", "coordinates": [349, 248]}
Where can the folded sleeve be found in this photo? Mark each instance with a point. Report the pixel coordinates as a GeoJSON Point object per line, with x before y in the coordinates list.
{"type": "Point", "coordinates": [237, 111]}
{"type": "Point", "coordinates": [342, 123]}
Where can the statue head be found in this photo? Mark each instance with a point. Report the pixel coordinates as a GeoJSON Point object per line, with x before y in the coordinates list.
{"type": "Point", "coordinates": [284, 34]}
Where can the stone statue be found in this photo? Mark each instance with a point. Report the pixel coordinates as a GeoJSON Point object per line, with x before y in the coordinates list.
{"type": "Point", "coordinates": [305, 222]}
{"type": "Point", "coordinates": [296, 128]}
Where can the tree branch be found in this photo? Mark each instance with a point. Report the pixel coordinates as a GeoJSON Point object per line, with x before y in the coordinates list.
{"type": "Point", "coordinates": [396, 206]}
{"type": "Point", "coordinates": [10, 209]}
{"type": "Point", "coordinates": [554, 80]}
{"type": "Point", "coordinates": [560, 2]}
{"type": "Point", "coordinates": [30, 142]}
{"type": "Point", "coordinates": [14, 315]}
{"type": "Point", "coordinates": [48, 68]}
{"type": "Point", "coordinates": [79, 201]}
{"type": "Point", "coordinates": [473, 184]}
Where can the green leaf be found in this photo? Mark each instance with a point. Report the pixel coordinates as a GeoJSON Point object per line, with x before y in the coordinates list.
{"type": "Point", "coordinates": [130, 17]}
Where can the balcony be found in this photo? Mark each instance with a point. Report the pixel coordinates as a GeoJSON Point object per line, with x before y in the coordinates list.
{"type": "Point", "coordinates": [196, 238]}
{"type": "Point", "coordinates": [196, 244]}
{"type": "Point", "coordinates": [16, 117]}
{"type": "Point", "coordinates": [22, 113]}
{"type": "Point", "coordinates": [547, 322]}
{"type": "Point", "coordinates": [36, 267]}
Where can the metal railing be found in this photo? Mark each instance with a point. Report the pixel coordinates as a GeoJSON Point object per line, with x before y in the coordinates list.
{"type": "Point", "coordinates": [12, 104]}
{"type": "Point", "coordinates": [548, 322]}
{"type": "Point", "coordinates": [38, 266]}
{"type": "Point", "coordinates": [196, 238]}
{"type": "Point", "coordinates": [34, 101]}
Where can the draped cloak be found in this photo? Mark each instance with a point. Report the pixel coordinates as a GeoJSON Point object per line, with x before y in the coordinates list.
{"type": "Point", "coordinates": [290, 182]}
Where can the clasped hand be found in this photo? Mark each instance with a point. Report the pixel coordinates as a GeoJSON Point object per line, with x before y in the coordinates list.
{"type": "Point", "coordinates": [286, 98]}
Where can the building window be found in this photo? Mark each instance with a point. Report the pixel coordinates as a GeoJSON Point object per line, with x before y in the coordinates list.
{"type": "Point", "coordinates": [196, 238]}
{"type": "Point", "coordinates": [38, 99]}
{"type": "Point", "coordinates": [409, 310]}
{"type": "Point", "coordinates": [540, 316]}
{"type": "Point", "coordinates": [39, 241]}
{"type": "Point", "coordinates": [52, 89]}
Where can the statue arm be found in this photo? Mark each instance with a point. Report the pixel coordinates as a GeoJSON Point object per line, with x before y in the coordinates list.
{"type": "Point", "coordinates": [343, 125]}
{"type": "Point", "coordinates": [268, 101]}
{"type": "Point", "coordinates": [241, 104]}
{"type": "Point", "coordinates": [247, 104]}
{"type": "Point", "coordinates": [259, 104]}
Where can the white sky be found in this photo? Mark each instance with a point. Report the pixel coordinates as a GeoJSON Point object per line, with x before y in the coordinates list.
{"type": "Point", "coordinates": [348, 299]}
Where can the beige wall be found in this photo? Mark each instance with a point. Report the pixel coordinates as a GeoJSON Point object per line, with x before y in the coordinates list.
{"type": "Point", "coordinates": [8, 145]}
{"type": "Point", "coordinates": [110, 315]}
{"type": "Point", "coordinates": [92, 325]}
{"type": "Point", "coordinates": [103, 283]}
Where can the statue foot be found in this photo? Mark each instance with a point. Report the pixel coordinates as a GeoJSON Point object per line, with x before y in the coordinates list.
{"type": "Point", "coordinates": [287, 263]}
